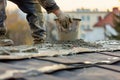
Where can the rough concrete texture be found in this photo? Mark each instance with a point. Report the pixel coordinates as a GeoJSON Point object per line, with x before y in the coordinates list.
{"type": "Point", "coordinates": [57, 48]}
{"type": "Point", "coordinates": [58, 56]}
{"type": "Point", "coordinates": [78, 43]}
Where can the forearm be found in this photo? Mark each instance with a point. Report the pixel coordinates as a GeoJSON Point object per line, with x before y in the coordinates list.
{"type": "Point", "coordinates": [57, 12]}
{"type": "Point", "coordinates": [49, 5]}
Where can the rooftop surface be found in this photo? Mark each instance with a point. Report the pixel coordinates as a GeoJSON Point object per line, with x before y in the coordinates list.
{"type": "Point", "coordinates": [100, 61]}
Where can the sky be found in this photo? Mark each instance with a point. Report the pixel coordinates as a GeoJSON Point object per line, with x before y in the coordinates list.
{"type": "Point", "coordinates": [71, 5]}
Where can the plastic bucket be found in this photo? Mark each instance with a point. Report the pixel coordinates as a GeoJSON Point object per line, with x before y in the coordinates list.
{"type": "Point", "coordinates": [70, 34]}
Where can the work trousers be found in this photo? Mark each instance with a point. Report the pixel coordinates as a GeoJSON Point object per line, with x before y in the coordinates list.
{"type": "Point", "coordinates": [33, 10]}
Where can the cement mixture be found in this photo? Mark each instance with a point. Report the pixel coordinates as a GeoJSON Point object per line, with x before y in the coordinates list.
{"type": "Point", "coordinates": [78, 43]}
{"type": "Point", "coordinates": [52, 48]}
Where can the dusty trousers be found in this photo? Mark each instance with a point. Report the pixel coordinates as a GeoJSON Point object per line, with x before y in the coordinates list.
{"type": "Point", "coordinates": [4, 40]}
{"type": "Point", "coordinates": [34, 14]}
{"type": "Point", "coordinates": [34, 17]}
{"type": "Point", "coordinates": [2, 17]}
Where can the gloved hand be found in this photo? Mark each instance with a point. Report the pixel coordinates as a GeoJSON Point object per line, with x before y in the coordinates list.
{"type": "Point", "coordinates": [64, 20]}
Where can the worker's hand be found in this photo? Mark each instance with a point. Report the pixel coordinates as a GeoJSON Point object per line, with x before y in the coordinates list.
{"type": "Point", "coordinates": [64, 20]}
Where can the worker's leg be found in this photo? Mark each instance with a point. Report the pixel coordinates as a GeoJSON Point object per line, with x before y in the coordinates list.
{"type": "Point", "coordinates": [34, 16]}
{"type": "Point", "coordinates": [2, 17]}
{"type": "Point", "coordinates": [4, 41]}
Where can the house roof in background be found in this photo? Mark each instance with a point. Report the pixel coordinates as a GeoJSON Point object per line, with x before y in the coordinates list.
{"type": "Point", "coordinates": [108, 19]}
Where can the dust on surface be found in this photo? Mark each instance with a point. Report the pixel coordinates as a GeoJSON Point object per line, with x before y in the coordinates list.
{"type": "Point", "coordinates": [76, 43]}
{"type": "Point", "coordinates": [61, 45]}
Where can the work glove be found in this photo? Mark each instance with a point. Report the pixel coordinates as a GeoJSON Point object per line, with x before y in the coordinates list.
{"type": "Point", "coordinates": [64, 20]}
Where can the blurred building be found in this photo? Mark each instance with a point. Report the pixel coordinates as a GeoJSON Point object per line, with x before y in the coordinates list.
{"type": "Point", "coordinates": [88, 17]}
{"type": "Point", "coordinates": [104, 28]}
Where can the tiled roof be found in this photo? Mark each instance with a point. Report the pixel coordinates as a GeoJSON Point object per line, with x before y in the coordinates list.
{"type": "Point", "coordinates": [108, 19]}
{"type": "Point", "coordinates": [85, 64]}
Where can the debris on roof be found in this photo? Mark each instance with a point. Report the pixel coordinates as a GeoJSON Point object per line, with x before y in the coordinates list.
{"type": "Point", "coordinates": [71, 60]}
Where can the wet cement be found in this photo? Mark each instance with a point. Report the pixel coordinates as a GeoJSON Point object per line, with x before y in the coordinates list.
{"type": "Point", "coordinates": [77, 43]}
{"type": "Point", "coordinates": [60, 46]}
{"type": "Point", "coordinates": [48, 45]}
